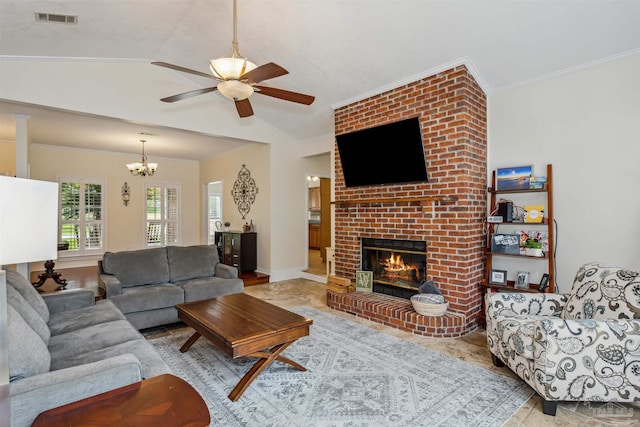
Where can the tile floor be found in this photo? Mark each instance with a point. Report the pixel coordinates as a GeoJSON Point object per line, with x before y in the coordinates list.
{"type": "Point", "coordinates": [471, 348]}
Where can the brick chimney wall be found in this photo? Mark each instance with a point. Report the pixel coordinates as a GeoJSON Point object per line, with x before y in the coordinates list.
{"type": "Point", "coordinates": [452, 111]}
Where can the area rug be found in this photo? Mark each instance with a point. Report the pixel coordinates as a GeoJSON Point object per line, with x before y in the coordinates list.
{"type": "Point", "coordinates": [356, 376]}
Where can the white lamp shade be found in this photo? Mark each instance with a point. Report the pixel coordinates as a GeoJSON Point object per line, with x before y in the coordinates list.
{"type": "Point", "coordinates": [230, 68]}
{"type": "Point", "coordinates": [28, 220]}
{"type": "Point", "coordinates": [236, 90]}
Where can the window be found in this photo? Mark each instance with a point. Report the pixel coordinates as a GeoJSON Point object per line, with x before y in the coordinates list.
{"type": "Point", "coordinates": [162, 215]}
{"type": "Point", "coordinates": [214, 214]}
{"type": "Point", "coordinates": [81, 216]}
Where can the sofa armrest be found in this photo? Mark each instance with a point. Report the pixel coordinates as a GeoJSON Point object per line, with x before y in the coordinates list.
{"type": "Point", "coordinates": [110, 284]}
{"type": "Point", "coordinates": [33, 395]}
{"type": "Point", "coordinates": [226, 271]}
{"type": "Point", "coordinates": [58, 302]}
{"type": "Point", "coordinates": [523, 304]}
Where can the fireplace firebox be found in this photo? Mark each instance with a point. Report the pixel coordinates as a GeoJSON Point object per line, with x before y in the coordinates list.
{"type": "Point", "coordinates": [399, 266]}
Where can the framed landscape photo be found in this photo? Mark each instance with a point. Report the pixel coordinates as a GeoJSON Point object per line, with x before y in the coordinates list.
{"type": "Point", "coordinates": [364, 281]}
{"type": "Point", "coordinates": [522, 280]}
{"type": "Point", "coordinates": [514, 178]}
{"type": "Point", "coordinates": [498, 277]}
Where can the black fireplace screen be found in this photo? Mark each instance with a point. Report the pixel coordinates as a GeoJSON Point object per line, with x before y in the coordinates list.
{"type": "Point", "coordinates": [399, 266]}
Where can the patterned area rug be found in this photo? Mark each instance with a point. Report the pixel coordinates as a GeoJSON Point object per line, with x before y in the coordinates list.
{"type": "Point", "coordinates": [356, 376]}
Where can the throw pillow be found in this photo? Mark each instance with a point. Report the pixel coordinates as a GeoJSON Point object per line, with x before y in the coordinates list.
{"type": "Point", "coordinates": [31, 294]}
{"type": "Point", "coordinates": [428, 287]}
{"type": "Point", "coordinates": [33, 319]}
{"type": "Point", "coordinates": [28, 355]}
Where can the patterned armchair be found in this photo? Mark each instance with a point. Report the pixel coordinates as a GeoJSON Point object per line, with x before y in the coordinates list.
{"type": "Point", "coordinates": [582, 346]}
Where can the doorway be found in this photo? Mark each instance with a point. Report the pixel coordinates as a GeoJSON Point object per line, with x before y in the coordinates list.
{"type": "Point", "coordinates": [319, 219]}
{"type": "Point", "coordinates": [213, 209]}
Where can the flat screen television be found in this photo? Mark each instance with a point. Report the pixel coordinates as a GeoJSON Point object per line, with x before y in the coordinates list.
{"type": "Point", "coordinates": [388, 154]}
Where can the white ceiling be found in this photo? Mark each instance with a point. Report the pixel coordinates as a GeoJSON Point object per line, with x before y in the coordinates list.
{"type": "Point", "coordinates": [336, 50]}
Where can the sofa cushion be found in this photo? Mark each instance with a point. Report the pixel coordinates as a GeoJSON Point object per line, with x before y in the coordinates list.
{"type": "Point", "coordinates": [67, 321]}
{"type": "Point", "coordinates": [33, 319]}
{"type": "Point", "coordinates": [191, 262]}
{"type": "Point", "coordinates": [28, 354]}
{"type": "Point", "coordinates": [151, 362]}
{"type": "Point", "coordinates": [210, 287]}
{"type": "Point", "coordinates": [30, 294]}
{"type": "Point", "coordinates": [601, 292]}
{"type": "Point", "coordinates": [135, 268]}
{"type": "Point", "coordinates": [151, 297]}
{"type": "Point", "coordinates": [91, 338]}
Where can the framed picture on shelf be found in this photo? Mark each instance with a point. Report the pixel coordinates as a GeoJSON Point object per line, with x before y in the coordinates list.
{"type": "Point", "coordinates": [498, 277]}
{"type": "Point", "coordinates": [364, 281]}
{"type": "Point", "coordinates": [506, 244]}
{"type": "Point", "coordinates": [544, 282]}
{"type": "Point", "coordinates": [522, 280]}
{"type": "Point", "coordinates": [514, 178]}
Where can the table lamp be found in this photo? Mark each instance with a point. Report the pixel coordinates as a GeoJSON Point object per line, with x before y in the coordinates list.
{"type": "Point", "coordinates": [28, 233]}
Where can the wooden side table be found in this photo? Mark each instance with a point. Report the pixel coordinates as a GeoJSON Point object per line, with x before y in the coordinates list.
{"type": "Point", "coordinates": [162, 401]}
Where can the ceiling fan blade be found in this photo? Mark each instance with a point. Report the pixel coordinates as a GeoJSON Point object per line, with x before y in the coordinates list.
{"type": "Point", "coordinates": [184, 70]}
{"type": "Point", "coordinates": [189, 94]}
{"type": "Point", "coordinates": [244, 108]}
{"type": "Point", "coordinates": [264, 72]}
{"type": "Point", "coordinates": [286, 95]}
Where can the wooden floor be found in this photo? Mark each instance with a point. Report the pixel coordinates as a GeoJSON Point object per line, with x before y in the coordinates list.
{"type": "Point", "coordinates": [77, 278]}
{"type": "Point", "coordinates": [316, 264]}
{"type": "Point", "coordinates": [254, 278]}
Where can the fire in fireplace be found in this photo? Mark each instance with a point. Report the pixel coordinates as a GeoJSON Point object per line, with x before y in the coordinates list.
{"type": "Point", "coordinates": [399, 266]}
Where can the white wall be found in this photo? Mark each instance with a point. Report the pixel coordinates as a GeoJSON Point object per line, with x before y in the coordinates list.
{"type": "Point", "coordinates": [587, 124]}
{"type": "Point", "coordinates": [8, 158]}
{"type": "Point", "coordinates": [125, 224]}
{"type": "Point", "coordinates": [225, 168]}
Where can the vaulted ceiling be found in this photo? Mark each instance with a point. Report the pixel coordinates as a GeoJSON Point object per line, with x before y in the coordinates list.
{"type": "Point", "coordinates": [336, 50]}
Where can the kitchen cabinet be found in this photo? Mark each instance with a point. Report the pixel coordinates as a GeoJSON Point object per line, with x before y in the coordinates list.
{"type": "Point", "coordinates": [314, 236]}
{"type": "Point", "coordinates": [314, 199]}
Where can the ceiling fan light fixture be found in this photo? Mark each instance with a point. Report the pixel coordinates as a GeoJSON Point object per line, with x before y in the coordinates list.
{"type": "Point", "coordinates": [236, 90]}
{"type": "Point", "coordinates": [230, 68]}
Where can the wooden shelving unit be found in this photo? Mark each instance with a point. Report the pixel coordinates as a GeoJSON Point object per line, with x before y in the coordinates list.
{"type": "Point", "coordinates": [547, 224]}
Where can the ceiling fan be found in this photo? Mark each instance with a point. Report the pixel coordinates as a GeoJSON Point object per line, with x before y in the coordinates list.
{"type": "Point", "coordinates": [238, 78]}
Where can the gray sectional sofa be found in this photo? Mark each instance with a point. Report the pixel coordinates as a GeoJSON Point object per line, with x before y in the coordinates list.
{"type": "Point", "coordinates": [64, 347]}
{"type": "Point", "coordinates": [147, 284]}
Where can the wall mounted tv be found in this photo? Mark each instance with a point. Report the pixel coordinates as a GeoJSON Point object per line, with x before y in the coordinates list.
{"type": "Point", "coordinates": [388, 154]}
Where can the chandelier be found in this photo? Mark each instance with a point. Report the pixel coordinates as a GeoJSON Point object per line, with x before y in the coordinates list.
{"type": "Point", "coordinates": [142, 168]}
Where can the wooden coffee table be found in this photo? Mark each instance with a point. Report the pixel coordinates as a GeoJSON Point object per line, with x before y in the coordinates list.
{"type": "Point", "coordinates": [242, 325]}
{"type": "Point", "coordinates": [165, 400]}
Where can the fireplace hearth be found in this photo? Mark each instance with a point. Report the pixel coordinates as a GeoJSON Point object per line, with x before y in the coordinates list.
{"type": "Point", "coordinates": [399, 266]}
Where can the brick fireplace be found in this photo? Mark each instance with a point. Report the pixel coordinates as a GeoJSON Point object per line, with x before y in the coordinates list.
{"type": "Point", "coordinates": [447, 212]}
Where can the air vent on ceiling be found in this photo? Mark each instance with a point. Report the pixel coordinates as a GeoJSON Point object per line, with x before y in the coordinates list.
{"type": "Point", "coordinates": [54, 17]}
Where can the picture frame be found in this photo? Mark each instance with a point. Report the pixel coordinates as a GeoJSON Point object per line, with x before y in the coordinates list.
{"type": "Point", "coordinates": [505, 244]}
{"type": "Point", "coordinates": [364, 281]}
{"type": "Point", "coordinates": [544, 282]}
{"type": "Point", "coordinates": [522, 280]}
{"type": "Point", "coordinates": [514, 178]}
{"type": "Point", "coordinates": [498, 277]}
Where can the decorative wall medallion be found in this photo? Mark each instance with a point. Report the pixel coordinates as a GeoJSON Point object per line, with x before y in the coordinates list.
{"type": "Point", "coordinates": [244, 191]}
